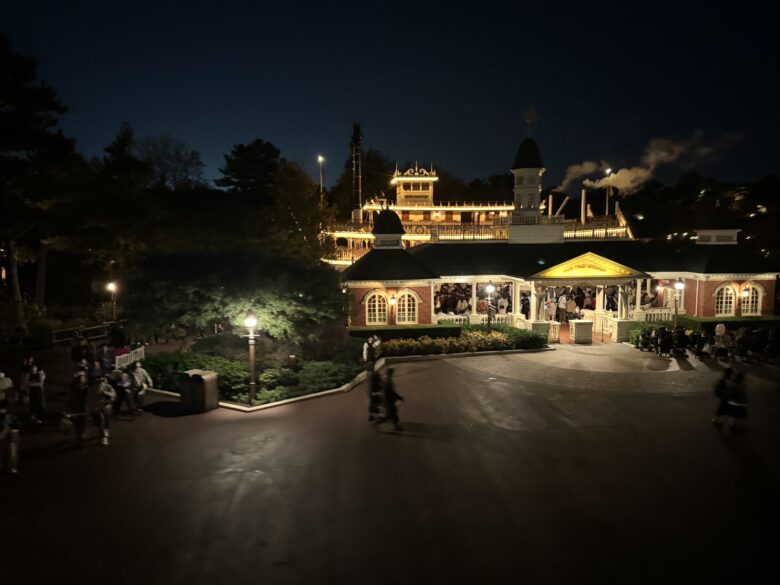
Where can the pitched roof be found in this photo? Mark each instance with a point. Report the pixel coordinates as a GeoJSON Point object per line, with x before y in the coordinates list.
{"type": "Point", "coordinates": [387, 264]}
{"type": "Point", "coordinates": [523, 260]}
{"type": "Point", "coordinates": [528, 156]}
{"type": "Point", "coordinates": [387, 222]}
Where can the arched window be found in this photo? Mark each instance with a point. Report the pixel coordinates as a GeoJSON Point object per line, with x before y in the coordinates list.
{"type": "Point", "coordinates": [750, 303]}
{"type": "Point", "coordinates": [406, 309]}
{"type": "Point", "coordinates": [376, 309]}
{"type": "Point", "coordinates": [724, 301]}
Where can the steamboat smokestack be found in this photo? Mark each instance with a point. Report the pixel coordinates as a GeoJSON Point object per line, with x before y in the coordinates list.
{"type": "Point", "coordinates": [582, 208]}
{"type": "Point", "coordinates": [357, 173]}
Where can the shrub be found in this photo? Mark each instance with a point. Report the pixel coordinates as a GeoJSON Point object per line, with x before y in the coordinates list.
{"type": "Point", "coordinates": [166, 370]}
{"type": "Point", "coordinates": [415, 332]}
{"type": "Point", "coordinates": [469, 341]}
{"type": "Point", "coordinates": [273, 377]}
{"type": "Point", "coordinates": [318, 376]}
{"type": "Point", "coordinates": [520, 338]}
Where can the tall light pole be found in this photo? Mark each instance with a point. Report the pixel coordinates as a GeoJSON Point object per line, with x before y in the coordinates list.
{"type": "Point", "coordinates": [679, 285]}
{"type": "Point", "coordinates": [251, 322]}
{"type": "Point", "coordinates": [393, 301]}
{"type": "Point", "coordinates": [489, 289]}
{"type": "Point", "coordinates": [321, 161]}
{"type": "Point", "coordinates": [112, 288]}
{"type": "Point", "coordinates": [608, 173]}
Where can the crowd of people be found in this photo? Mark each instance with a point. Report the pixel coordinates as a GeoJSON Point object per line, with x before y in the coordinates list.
{"type": "Point", "coordinates": [747, 344]}
{"type": "Point", "coordinates": [98, 392]}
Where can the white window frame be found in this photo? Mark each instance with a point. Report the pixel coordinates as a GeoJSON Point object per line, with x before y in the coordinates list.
{"type": "Point", "coordinates": [722, 289]}
{"type": "Point", "coordinates": [402, 310]}
{"type": "Point", "coordinates": [381, 306]}
{"type": "Point", "coordinates": [758, 291]}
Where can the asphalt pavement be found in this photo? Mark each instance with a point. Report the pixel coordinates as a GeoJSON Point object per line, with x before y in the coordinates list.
{"type": "Point", "coordinates": [582, 465]}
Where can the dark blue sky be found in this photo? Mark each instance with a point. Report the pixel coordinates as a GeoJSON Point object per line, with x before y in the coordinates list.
{"type": "Point", "coordinates": [438, 83]}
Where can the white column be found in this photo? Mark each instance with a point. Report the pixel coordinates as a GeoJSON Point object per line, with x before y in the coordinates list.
{"type": "Point", "coordinates": [515, 299]}
{"type": "Point", "coordinates": [620, 301]}
{"type": "Point", "coordinates": [534, 303]}
{"type": "Point", "coordinates": [638, 294]}
{"type": "Point", "coordinates": [474, 298]}
{"type": "Point", "coordinates": [433, 305]}
{"type": "Point", "coordinates": [600, 297]}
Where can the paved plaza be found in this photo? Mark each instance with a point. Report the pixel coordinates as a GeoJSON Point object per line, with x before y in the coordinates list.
{"type": "Point", "coordinates": [579, 465]}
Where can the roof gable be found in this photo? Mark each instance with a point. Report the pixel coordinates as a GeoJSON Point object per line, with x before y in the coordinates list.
{"type": "Point", "coordinates": [589, 265]}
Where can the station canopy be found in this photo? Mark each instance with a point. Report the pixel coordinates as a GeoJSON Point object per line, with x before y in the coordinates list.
{"type": "Point", "coordinates": [590, 268]}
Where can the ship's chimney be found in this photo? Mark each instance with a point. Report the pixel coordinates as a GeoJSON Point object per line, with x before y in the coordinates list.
{"type": "Point", "coordinates": [549, 205]}
{"type": "Point", "coordinates": [357, 172]}
{"type": "Point", "coordinates": [582, 207]}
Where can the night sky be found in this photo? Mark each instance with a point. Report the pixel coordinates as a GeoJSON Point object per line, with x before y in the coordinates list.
{"type": "Point", "coordinates": [439, 84]}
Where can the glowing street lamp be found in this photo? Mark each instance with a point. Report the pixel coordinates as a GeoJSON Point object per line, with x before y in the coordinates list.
{"type": "Point", "coordinates": [250, 323]}
{"type": "Point", "coordinates": [490, 288]}
{"type": "Point", "coordinates": [679, 285]}
{"type": "Point", "coordinates": [321, 161]}
{"type": "Point", "coordinates": [112, 288]}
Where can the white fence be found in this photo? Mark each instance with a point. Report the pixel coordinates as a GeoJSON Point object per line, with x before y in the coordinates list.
{"type": "Point", "coordinates": [124, 360]}
{"type": "Point", "coordinates": [505, 319]}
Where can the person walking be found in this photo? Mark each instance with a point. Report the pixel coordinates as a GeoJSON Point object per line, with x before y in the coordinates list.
{"type": "Point", "coordinates": [562, 299]}
{"type": "Point", "coordinates": [9, 439]}
{"type": "Point", "coordinates": [371, 351]}
{"type": "Point", "coordinates": [737, 401]}
{"type": "Point", "coordinates": [141, 382]}
{"type": "Point", "coordinates": [34, 383]}
{"type": "Point", "coordinates": [124, 394]}
{"type": "Point", "coordinates": [105, 396]}
{"type": "Point", "coordinates": [77, 405]}
{"type": "Point", "coordinates": [374, 396]}
{"type": "Point", "coordinates": [722, 394]}
{"type": "Point", "coordinates": [391, 399]}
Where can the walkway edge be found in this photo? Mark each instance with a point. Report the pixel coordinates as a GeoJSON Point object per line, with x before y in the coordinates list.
{"type": "Point", "coordinates": [380, 363]}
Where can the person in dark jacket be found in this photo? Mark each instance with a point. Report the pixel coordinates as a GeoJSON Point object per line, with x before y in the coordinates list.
{"type": "Point", "coordinates": [374, 396]}
{"type": "Point", "coordinates": [737, 402]}
{"type": "Point", "coordinates": [9, 439]}
{"type": "Point", "coordinates": [391, 399]}
{"type": "Point", "coordinates": [722, 394]}
{"type": "Point", "coordinates": [77, 405]}
{"type": "Point", "coordinates": [34, 382]}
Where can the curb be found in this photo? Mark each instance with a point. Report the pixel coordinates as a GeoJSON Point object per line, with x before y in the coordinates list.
{"type": "Point", "coordinates": [379, 364]}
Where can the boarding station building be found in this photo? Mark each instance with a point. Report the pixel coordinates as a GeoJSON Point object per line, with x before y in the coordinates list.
{"type": "Point", "coordinates": [619, 281]}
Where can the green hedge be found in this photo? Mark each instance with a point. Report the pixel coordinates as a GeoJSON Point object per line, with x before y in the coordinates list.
{"type": "Point", "coordinates": [166, 369]}
{"type": "Point", "coordinates": [415, 332]}
{"type": "Point", "coordinates": [468, 341]}
{"type": "Point", "coordinates": [274, 384]}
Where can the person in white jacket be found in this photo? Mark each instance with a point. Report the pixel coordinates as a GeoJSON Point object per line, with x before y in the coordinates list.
{"type": "Point", "coordinates": [141, 382]}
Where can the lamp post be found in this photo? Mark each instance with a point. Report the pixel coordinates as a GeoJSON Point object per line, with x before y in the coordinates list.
{"type": "Point", "coordinates": [251, 322]}
{"type": "Point", "coordinates": [321, 161]}
{"type": "Point", "coordinates": [393, 301]}
{"type": "Point", "coordinates": [679, 285]}
{"type": "Point", "coordinates": [489, 289]}
{"type": "Point", "coordinates": [608, 173]}
{"type": "Point", "coordinates": [112, 288]}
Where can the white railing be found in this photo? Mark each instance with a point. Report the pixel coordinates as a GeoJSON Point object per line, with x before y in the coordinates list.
{"type": "Point", "coordinates": [653, 315]}
{"type": "Point", "coordinates": [457, 319]}
{"type": "Point", "coordinates": [124, 360]}
{"type": "Point", "coordinates": [554, 332]}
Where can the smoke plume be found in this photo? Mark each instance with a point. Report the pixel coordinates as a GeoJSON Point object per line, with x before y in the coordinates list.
{"type": "Point", "coordinates": [587, 167]}
{"type": "Point", "coordinates": [663, 151]}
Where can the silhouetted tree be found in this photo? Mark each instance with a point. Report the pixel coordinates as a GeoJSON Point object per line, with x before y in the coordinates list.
{"type": "Point", "coordinates": [251, 171]}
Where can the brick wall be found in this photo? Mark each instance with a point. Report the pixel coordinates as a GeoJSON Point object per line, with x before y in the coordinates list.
{"type": "Point", "coordinates": [357, 308]}
{"type": "Point", "coordinates": [707, 296]}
